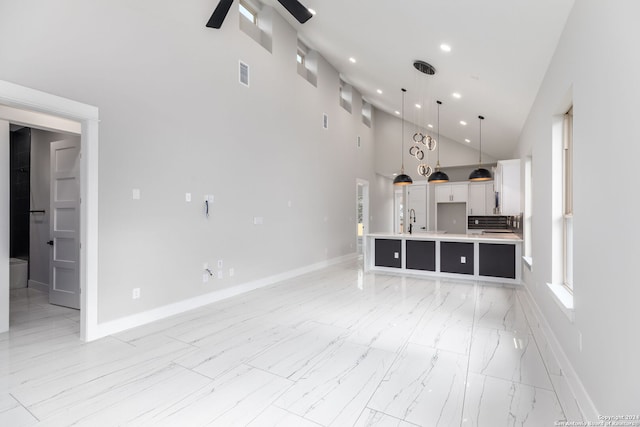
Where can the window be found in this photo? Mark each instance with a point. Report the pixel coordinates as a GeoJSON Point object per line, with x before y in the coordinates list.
{"type": "Point", "coordinates": [567, 199]}
{"type": "Point", "coordinates": [248, 12]}
{"type": "Point", "coordinates": [366, 113]}
{"type": "Point", "coordinates": [345, 95]}
{"type": "Point", "coordinates": [528, 211]}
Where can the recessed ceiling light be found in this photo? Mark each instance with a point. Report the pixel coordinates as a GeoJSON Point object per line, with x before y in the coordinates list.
{"type": "Point", "coordinates": [456, 95]}
{"type": "Point", "coordinates": [467, 140]}
{"type": "Point", "coordinates": [430, 126]}
{"type": "Point", "coordinates": [418, 106]}
{"type": "Point", "coordinates": [463, 123]}
{"type": "Point", "coordinates": [397, 112]}
{"type": "Point", "coordinates": [379, 91]}
{"type": "Point", "coordinates": [311, 11]}
{"type": "Point", "coordinates": [352, 60]}
{"type": "Point", "coordinates": [445, 47]}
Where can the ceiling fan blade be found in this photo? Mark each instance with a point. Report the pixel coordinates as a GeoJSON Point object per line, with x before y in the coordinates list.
{"type": "Point", "coordinates": [217, 18]}
{"type": "Point", "coordinates": [295, 8]}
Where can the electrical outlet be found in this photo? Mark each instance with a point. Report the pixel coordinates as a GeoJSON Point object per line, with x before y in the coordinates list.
{"type": "Point", "coordinates": [396, 255]}
{"type": "Point", "coordinates": [135, 294]}
{"type": "Point", "coordinates": [135, 194]}
{"type": "Point", "coordinates": [258, 220]}
{"type": "Point", "coordinates": [187, 197]}
{"type": "Point", "coordinates": [205, 277]}
{"type": "Point", "coordinates": [209, 198]}
{"type": "Point", "coordinates": [232, 272]}
{"type": "Point", "coordinates": [219, 263]}
{"type": "Point", "coordinates": [220, 274]}
{"type": "Point", "coordinates": [205, 265]}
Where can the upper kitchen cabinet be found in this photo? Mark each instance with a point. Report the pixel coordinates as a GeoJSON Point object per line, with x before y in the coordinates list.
{"type": "Point", "coordinates": [507, 185]}
{"type": "Point", "coordinates": [481, 198]}
{"type": "Point", "coordinates": [454, 192]}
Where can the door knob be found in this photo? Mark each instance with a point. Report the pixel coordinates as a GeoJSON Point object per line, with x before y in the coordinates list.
{"type": "Point", "coordinates": [50, 243]}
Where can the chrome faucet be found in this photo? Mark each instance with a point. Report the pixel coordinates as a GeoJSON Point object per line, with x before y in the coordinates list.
{"type": "Point", "coordinates": [412, 219]}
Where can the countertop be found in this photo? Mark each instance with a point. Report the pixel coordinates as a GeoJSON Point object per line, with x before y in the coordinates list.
{"type": "Point", "coordinates": [491, 238]}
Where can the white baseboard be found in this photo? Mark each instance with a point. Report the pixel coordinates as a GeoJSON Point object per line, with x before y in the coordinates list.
{"type": "Point", "coordinates": [139, 319]}
{"type": "Point", "coordinates": [586, 406]}
{"type": "Point", "coordinates": [42, 287]}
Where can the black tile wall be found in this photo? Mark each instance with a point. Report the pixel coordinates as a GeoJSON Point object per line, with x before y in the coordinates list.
{"type": "Point", "coordinates": [19, 181]}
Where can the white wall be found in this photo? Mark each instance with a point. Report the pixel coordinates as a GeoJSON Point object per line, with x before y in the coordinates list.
{"type": "Point", "coordinates": [4, 226]}
{"type": "Point", "coordinates": [595, 66]}
{"type": "Point", "coordinates": [174, 120]}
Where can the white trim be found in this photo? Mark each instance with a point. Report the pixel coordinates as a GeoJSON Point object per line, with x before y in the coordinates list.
{"type": "Point", "coordinates": [139, 319]}
{"type": "Point", "coordinates": [583, 399]}
{"type": "Point", "coordinates": [528, 261]}
{"type": "Point", "coordinates": [563, 298]}
{"type": "Point", "coordinates": [40, 286]}
{"type": "Point", "coordinates": [23, 98]}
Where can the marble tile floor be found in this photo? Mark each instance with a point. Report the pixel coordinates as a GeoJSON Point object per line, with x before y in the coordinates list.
{"type": "Point", "coordinates": [337, 347]}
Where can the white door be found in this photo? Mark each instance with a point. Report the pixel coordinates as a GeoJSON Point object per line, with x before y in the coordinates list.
{"type": "Point", "coordinates": [417, 205]}
{"type": "Point", "coordinates": [64, 274]}
{"type": "Point", "coordinates": [362, 218]}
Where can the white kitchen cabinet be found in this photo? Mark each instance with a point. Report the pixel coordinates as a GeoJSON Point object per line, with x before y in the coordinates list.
{"type": "Point", "coordinates": [507, 184]}
{"type": "Point", "coordinates": [452, 193]}
{"type": "Point", "coordinates": [417, 207]}
{"type": "Point", "coordinates": [481, 198]}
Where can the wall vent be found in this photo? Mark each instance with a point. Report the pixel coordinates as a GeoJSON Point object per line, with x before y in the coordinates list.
{"type": "Point", "coordinates": [244, 74]}
{"type": "Point", "coordinates": [325, 121]}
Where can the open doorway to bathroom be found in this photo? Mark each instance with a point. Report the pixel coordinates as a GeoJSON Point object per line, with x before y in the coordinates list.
{"type": "Point", "coordinates": [362, 214]}
{"type": "Point", "coordinates": [44, 230]}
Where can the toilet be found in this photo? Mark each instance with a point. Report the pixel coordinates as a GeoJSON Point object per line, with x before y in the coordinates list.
{"type": "Point", "coordinates": [18, 273]}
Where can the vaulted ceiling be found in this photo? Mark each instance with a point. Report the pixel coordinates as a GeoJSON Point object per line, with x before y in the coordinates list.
{"type": "Point", "coordinates": [500, 51]}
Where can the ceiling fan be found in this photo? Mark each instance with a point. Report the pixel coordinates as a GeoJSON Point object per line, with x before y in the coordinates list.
{"type": "Point", "coordinates": [295, 8]}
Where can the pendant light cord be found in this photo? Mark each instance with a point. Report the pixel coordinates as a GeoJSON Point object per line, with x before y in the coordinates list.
{"type": "Point", "coordinates": [438, 140]}
{"type": "Point", "coordinates": [402, 136]}
{"type": "Point", "coordinates": [480, 158]}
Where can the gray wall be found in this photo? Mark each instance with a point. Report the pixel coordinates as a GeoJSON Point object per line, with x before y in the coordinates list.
{"type": "Point", "coordinates": [174, 120]}
{"type": "Point", "coordinates": [606, 102]}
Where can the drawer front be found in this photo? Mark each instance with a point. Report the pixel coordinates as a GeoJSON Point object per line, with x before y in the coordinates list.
{"type": "Point", "coordinates": [497, 260]}
{"type": "Point", "coordinates": [456, 257]}
{"type": "Point", "coordinates": [388, 253]}
{"type": "Point", "coordinates": [421, 255]}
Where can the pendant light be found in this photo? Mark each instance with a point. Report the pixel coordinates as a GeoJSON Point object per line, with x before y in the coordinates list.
{"type": "Point", "coordinates": [438, 176]}
{"type": "Point", "coordinates": [402, 179]}
{"type": "Point", "coordinates": [480, 174]}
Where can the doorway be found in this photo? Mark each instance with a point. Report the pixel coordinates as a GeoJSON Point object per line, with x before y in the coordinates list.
{"type": "Point", "coordinates": [44, 241]}
{"type": "Point", "coordinates": [362, 214]}
{"type": "Point", "coordinates": [32, 108]}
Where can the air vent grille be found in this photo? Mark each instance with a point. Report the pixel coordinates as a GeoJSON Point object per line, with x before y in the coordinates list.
{"type": "Point", "coordinates": [244, 74]}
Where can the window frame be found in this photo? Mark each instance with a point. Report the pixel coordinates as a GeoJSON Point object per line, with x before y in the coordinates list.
{"type": "Point", "coordinates": [251, 11]}
{"type": "Point", "coordinates": [567, 200]}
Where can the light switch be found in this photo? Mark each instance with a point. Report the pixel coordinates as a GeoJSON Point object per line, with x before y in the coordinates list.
{"type": "Point", "coordinates": [396, 255]}
{"type": "Point", "coordinates": [187, 197]}
{"type": "Point", "coordinates": [463, 260]}
{"type": "Point", "coordinates": [135, 194]}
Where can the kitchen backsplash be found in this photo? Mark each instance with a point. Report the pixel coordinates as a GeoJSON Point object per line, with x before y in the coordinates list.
{"type": "Point", "coordinates": [500, 222]}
